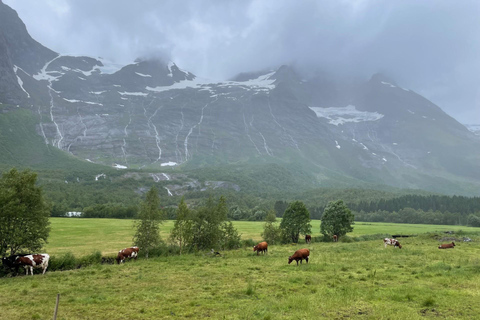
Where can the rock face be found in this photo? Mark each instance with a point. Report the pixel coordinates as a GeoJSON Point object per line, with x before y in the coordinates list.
{"type": "Point", "coordinates": [151, 114]}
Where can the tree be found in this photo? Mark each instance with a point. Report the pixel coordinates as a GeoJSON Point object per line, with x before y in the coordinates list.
{"type": "Point", "coordinates": [336, 219]}
{"type": "Point", "coordinates": [473, 220]}
{"type": "Point", "coordinates": [24, 214]}
{"type": "Point", "coordinates": [230, 238]}
{"type": "Point", "coordinates": [147, 235]}
{"type": "Point", "coordinates": [296, 220]}
{"type": "Point", "coordinates": [271, 231]}
{"type": "Point", "coordinates": [182, 232]}
{"type": "Point", "coordinates": [210, 229]}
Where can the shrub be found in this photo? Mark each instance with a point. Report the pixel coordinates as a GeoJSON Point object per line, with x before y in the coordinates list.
{"type": "Point", "coordinates": [64, 262]}
{"type": "Point", "coordinates": [93, 258]}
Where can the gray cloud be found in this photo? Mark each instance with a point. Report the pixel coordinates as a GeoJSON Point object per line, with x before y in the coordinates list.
{"type": "Point", "coordinates": [430, 47]}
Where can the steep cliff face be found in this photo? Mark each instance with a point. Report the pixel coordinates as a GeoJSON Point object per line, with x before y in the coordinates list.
{"type": "Point", "coordinates": [151, 114]}
{"type": "Point", "coordinates": [25, 52]}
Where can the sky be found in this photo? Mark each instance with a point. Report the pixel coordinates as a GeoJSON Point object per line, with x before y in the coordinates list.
{"type": "Point", "coordinates": [431, 47]}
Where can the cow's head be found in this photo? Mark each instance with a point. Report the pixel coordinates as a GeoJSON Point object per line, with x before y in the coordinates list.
{"type": "Point", "coordinates": [453, 243]}
{"type": "Point", "coordinates": [255, 248]}
{"type": "Point", "coordinates": [399, 245]}
{"type": "Point", "coordinates": [290, 259]}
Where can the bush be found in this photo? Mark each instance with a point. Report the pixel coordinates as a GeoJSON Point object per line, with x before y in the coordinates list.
{"type": "Point", "coordinates": [248, 243]}
{"type": "Point", "coordinates": [94, 258]}
{"type": "Point", "coordinates": [64, 262]}
{"type": "Point", "coordinates": [345, 239]}
{"type": "Point", "coordinates": [161, 250]}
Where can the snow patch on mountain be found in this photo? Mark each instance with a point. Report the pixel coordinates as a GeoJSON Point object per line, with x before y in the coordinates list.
{"type": "Point", "coordinates": [346, 114]}
{"type": "Point", "coordinates": [168, 164]}
{"type": "Point", "coordinates": [143, 75]}
{"type": "Point", "coordinates": [475, 128]}
{"type": "Point", "coordinates": [20, 82]}
{"type": "Point", "coordinates": [125, 93]}
{"type": "Point", "coordinates": [196, 83]}
{"type": "Point", "coordinates": [87, 102]}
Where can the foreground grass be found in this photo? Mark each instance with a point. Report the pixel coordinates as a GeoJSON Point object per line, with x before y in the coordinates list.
{"type": "Point", "coordinates": [82, 236]}
{"type": "Point", "coordinates": [342, 280]}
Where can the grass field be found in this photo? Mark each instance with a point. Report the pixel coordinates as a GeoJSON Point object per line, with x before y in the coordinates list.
{"type": "Point", "coordinates": [82, 236]}
{"type": "Point", "coordinates": [342, 281]}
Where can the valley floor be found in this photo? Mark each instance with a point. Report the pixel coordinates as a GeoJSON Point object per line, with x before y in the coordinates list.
{"type": "Point", "coordinates": [360, 280]}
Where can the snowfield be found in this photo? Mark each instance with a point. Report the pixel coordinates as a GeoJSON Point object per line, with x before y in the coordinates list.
{"type": "Point", "coordinates": [346, 114]}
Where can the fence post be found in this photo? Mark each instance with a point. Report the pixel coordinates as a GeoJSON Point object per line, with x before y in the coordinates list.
{"type": "Point", "coordinates": [56, 307]}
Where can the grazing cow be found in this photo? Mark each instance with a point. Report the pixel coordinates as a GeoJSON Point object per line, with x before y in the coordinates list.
{"type": "Point", "coordinates": [299, 255]}
{"type": "Point", "coordinates": [447, 246]}
{"type": "Point", "coordinates": [335, 238]}
{"type": "Point", "coordinates": [262, 246]}
{"type": "Point", "coordinates": [308, 238]}
{"type": "Point", "coordinates": [9, 262]}
{"type": "Point", "coordinates": [127, 253]}
{"type": "Point", "coordinates": [392, 242]}
{"type": "Point", "coordinates": [28, 261]}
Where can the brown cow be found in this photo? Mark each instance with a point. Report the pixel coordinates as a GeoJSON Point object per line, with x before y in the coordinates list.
{"type": "Point", "coordinates": [308, 238]}
{"type": "Point", "coordinates": [262, 246]}
{"type": "Point", "coordinates": [299, 255]}
{"type": "Point", "coordinates": [447, 246]}
{"type": "Point", "coordinates": [335, 238]}
{"type": "Point", "coordinates": [127, 253]}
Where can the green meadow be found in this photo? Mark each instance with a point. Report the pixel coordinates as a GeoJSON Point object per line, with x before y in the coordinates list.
{"type": "Point", "coordinates": [357, 280]}
{"type": "Point", "coordinates": [82, 236]}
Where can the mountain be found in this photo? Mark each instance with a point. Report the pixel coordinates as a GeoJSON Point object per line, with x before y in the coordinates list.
{"type": "Point", "coordinates": [151, 114]}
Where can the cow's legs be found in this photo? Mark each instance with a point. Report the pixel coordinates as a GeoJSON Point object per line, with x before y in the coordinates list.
{"type": "Point", "coordinates": [306, 259]}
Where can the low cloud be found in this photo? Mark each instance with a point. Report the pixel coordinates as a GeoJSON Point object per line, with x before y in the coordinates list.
{"type": "Point", "coordinates": [432, 48]}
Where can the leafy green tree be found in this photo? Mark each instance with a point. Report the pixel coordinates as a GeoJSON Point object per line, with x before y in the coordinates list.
{"type": "Point", "coordinates": [296, 220]}
{"type": "Point", "coordinates": [337, 219]}
{"type": "Point", "coordinates": [147, 225]}
{"type": "Point", "coordinates": [473, 220]}
{"type": "Point", "coordinates": [182, 232]}
{"type": "Point", "coordinates": [230, 238]}
{"type": "Point", "coordinates": [210, 229]}
{"type": "Point", "coordinates": [24, 214]}
{"type": "Point", "coordinates": [272, 233]}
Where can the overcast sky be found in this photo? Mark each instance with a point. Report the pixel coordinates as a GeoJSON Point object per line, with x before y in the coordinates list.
{"type": "Point", "coordinates": [432, 47]}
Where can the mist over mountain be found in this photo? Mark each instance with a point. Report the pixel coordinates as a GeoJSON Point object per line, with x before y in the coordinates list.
{"type": "Point", "coordinates": [152, 114]}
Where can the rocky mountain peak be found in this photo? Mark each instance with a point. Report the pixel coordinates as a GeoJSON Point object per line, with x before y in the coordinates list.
{"type": "Point", "coordinates": [26, 53]}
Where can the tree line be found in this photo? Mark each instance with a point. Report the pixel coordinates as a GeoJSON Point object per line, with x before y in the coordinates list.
{"type": "Point", "coordinates": [456, 204]}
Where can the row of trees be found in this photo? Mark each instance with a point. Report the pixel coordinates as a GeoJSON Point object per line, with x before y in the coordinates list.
{"type": "Point", "coordinates": [417, 216]}
{"type": "Point", "coordinates": [458, 204]}
{"type": "Point", "coordinates": [337, 219]}
{"type": "Point", "coordinates": [204, 228]}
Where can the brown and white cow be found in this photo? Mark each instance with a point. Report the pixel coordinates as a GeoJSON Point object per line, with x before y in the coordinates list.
{"type": "Point", "coordinates": [335, 238]}
{"type": "Point", "coordinates": [127, 253]}
{"type": "Point", "coordinates": [261, 247]}
{"type": "Point", "coordinates": [308, 238]}
{"type": "Point", "coordinates": [392, 242]}
{"type": "Point", "coordinates": [447, 246]}
{"type": "Point", "coordinates": [299, 255]}
{"type": "Point", "coordinates": [28, 261]}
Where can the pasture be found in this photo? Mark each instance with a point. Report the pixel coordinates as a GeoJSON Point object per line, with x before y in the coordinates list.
{"type": "Point", "coordinates": [82, 236]}
{"type": "Point", "coordinates": [343, 280]}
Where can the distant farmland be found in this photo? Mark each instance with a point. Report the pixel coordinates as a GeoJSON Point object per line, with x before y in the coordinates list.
{"type": "Point", "coordinates": [82, 236]}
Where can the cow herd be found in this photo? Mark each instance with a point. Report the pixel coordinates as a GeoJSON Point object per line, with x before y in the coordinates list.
{"type": "Point", "coordinates": [396, 244]}
{"type": "Point", "coordinates": [31, 261]}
